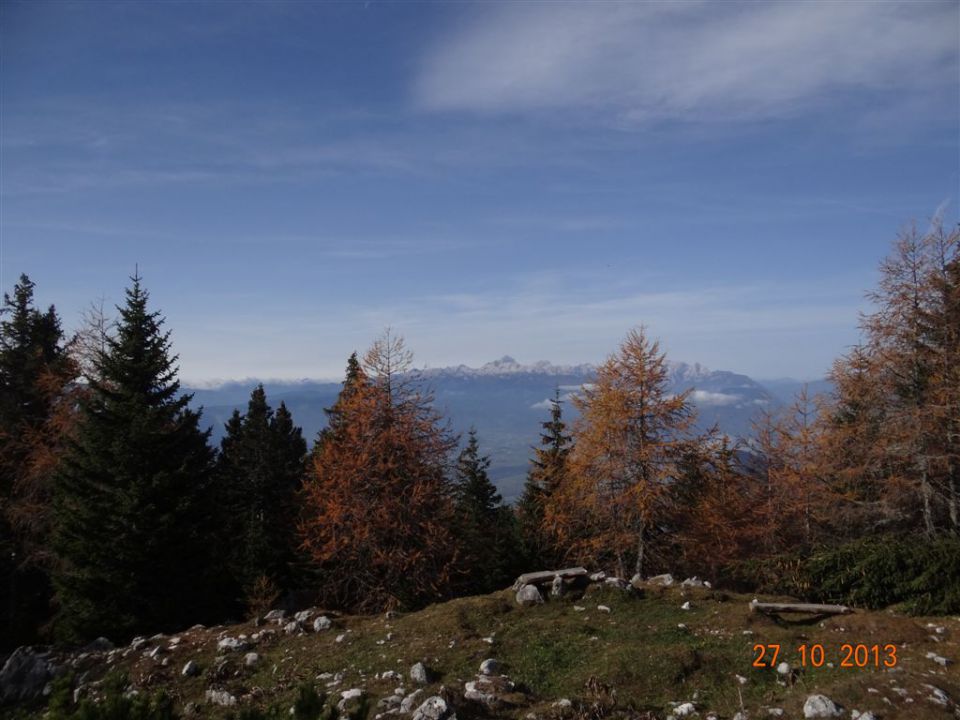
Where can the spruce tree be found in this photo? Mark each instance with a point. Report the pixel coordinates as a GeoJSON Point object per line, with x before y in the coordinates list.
{"type": "Point", "coordinates": [549, 467]}
{"type": "Point", "coordinates": [132, 498]}
{"type": "Point", "coordinates": [36, 375]}
{"type": "Point", "coordinates": [354, 378]}
{"type": "Point", "coordinates": [484, 524]}
{"type": "Point", "coordinates": [260, 469]}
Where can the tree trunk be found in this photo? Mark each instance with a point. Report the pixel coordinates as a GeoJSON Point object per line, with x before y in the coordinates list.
{"type": "Point", "coordinates": [926, 493]}
{"type": "Point", "coordinates": [638, 568]}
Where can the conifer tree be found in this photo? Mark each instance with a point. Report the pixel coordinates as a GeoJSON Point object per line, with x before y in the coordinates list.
{"type": "Point", "coordinates": [484, 525]}
{"type": "Point", "coordinates": [259, 470]}
{"type": "Point", "coordinates": [628, 445]}
{"type": "Point", "coordinates": [36, 375]}
{"type": "Point", "coordinates": [549, 468]}
{"type": "Point", "coordinates": [377, 505]}
{"type": "Point", "coordinates": [131, 497]}
{"type": "Point", "coordinates": [353, 379]}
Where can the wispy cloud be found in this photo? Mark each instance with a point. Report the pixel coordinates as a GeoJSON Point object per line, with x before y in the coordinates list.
{"type": "Point", "coordinates": [697, 61]}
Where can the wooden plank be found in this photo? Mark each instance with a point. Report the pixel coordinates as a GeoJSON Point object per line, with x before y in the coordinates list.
{"type": "Point", "coordinates": [799, 608]}
{"type": "Point", "coordinates": [547, 575]}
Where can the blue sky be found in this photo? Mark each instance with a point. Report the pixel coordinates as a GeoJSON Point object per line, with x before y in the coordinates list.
{"type": "Point", "coordinates": [490, 178]}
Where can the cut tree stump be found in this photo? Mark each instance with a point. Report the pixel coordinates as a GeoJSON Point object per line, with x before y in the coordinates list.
{"type": "Point", "coordinates": [812, 609]}
{"type": "Point", "coordinates": [547, 575]}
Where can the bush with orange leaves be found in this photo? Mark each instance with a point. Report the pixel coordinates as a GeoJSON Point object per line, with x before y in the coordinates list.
{"type": "Point", "coordinates": [377, 504]}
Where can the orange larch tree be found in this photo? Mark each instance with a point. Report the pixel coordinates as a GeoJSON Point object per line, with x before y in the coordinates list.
{"type": "Point", "coordinates": [377, 502]}
{"type": "Point", "coordinates": [628, 446]}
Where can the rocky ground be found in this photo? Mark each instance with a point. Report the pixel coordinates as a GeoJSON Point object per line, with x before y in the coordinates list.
{"type": "Point", "coordinates": [580, 647]}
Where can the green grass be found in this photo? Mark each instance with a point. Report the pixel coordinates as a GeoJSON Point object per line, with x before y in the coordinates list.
{"type": "Point", "coordinates": [553, 651]}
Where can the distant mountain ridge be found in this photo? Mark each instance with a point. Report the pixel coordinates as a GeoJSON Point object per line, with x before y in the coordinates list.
{"type": "Point", "coordinates": [506, 401]}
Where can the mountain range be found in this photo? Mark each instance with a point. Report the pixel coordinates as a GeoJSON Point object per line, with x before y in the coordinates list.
{"type": "Point", "coordinates": [506, 401]}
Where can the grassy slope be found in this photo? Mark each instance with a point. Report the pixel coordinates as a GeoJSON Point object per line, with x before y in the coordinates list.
{"type": "Point", "coordinates": [552, 651]}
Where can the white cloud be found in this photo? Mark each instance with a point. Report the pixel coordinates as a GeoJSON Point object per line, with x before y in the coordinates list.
{"type": "Point", "coordinates": [705, 397]}
{"type": "Point", "coordinates": [548, 402]}
{"type": "Point", "coordinates": [689, 61]}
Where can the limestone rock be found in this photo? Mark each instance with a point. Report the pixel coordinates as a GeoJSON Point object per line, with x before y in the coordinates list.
{"type": "Point", "coordinates": [231, 644]}
{"type": "Point", "coordinates": [490, 667]}
{"type": "Point", "coordinates": [820, 706]}
{"type": "Point", "coordinates": [410, 701]}
{"type": "Point", "coordinates": [191, 669]}
{"type": "Point", "coordinates": [24, 675]}
{"type": "Point", "coordinates": [220, 697]}
{"type": "Point", "coordinates": [322, 623]}
{"type": "Point", "coordinates": [433, 708]}
{"type": "Point", "coordinates": [528, 595]}
{"type": "Point", "coordinates": [419, 674]}
{"type": "Point", "coordinates": [666, 580]}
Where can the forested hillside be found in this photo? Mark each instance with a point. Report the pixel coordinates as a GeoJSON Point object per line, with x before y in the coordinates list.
{"type": "Point", "coordinates": [121, 517]}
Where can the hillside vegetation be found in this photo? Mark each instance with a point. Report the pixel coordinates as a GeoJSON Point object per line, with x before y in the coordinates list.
{"type": "Point", "coordinates": [643, 658]}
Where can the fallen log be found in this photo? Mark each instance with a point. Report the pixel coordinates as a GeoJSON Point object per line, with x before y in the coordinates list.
{"type": "Point", "coordinates": [547, 575]}
{"type": "Point", "coordinates": [812, 609]}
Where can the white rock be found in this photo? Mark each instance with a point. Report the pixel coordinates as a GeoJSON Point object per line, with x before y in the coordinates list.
{"type": "Point", "coordinates": [578, 608]}
{"type": "Point", "coordinates": [775, 712]}
{"type": "Point", "coordinates": [692, 582]}
{"type": "Point", "coordinates": [433, 708]}
{"type": "Point", "coordinates": [275, 615]}
{"type": "Point", "coordinates": [251, 659]}
{"type": "Point", "coordinates": [666, 579]}
{"type": "Point", "coordinates": [220, 697]}
{"type": "Point", "coordinates": [938, 659]}
{"type": "Point", "coordinates": [685, 710]}
{"type": "Point", "coordinates": [341, 637]}
{"type": "Point", "coordinates": [563, 703]}
{"type": "Point", "coordinates": [598, 576]}
{"type": "Point", "coordinates": [190, 669]}
{"type": "Point", "coordinates": [322, 623]}
{"type": "Point", "coordinates": [783, 668]}
{"type": "Point", "coordinates": [303, 616]}
{"type": "Point", "coordinates": [291, 627]}
{"type": "Point", "coordinates": [410, 701]}
{"type": "Point", "coordinates": [685, 606]}
{"type": "Point", "coordinates": [937, 696]}
{"type": "Point", "coordinates": [230, 644]}
{"type": "Point", "coordinates": [419, 674]}
{"type": "Point", "coordinates": [529, 595]}
{"type": "Point", "coordinates": [820, 706]}
{"type": "Point", "coordinates": [347, 695]}
{"type": "Point", "coordinates": [603, 608]}
{"type": "Point", "coordinates": [490, 666]}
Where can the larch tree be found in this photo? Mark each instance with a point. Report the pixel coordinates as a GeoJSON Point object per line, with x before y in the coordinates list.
{"type": "Point", "coordinates": [131, 497]}
{"type": "Point", "coordinates": [36, 416]}
{"type": "Point", "coordinates": [548, 472]}
{"type": "Point", "coordinates": [908, 360]}
{"type": "Point", "coordinates": [377, 505]}
{"type": "Point", "coordinates": [628, 446]}
{"type": "Point", "coordinates": [259, 473]}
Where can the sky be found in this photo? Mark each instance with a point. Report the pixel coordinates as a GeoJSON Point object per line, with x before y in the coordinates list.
{"type": "Point", "coordinates": [522, 178]}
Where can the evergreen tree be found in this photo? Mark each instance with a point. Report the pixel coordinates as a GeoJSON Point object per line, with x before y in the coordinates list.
{"type": "Point", "coordinates": [260, 469]}
{"type": "Point", "coordinates": [485, 526]}
{"type": "Point", "coordinates": [353, 380]}
{"type": "Point", "coordinates": [549, 467]}
{"type": "Point", "coordinates": [36, 372]}
{"type": "Point", "coordinates": [131, 497]}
